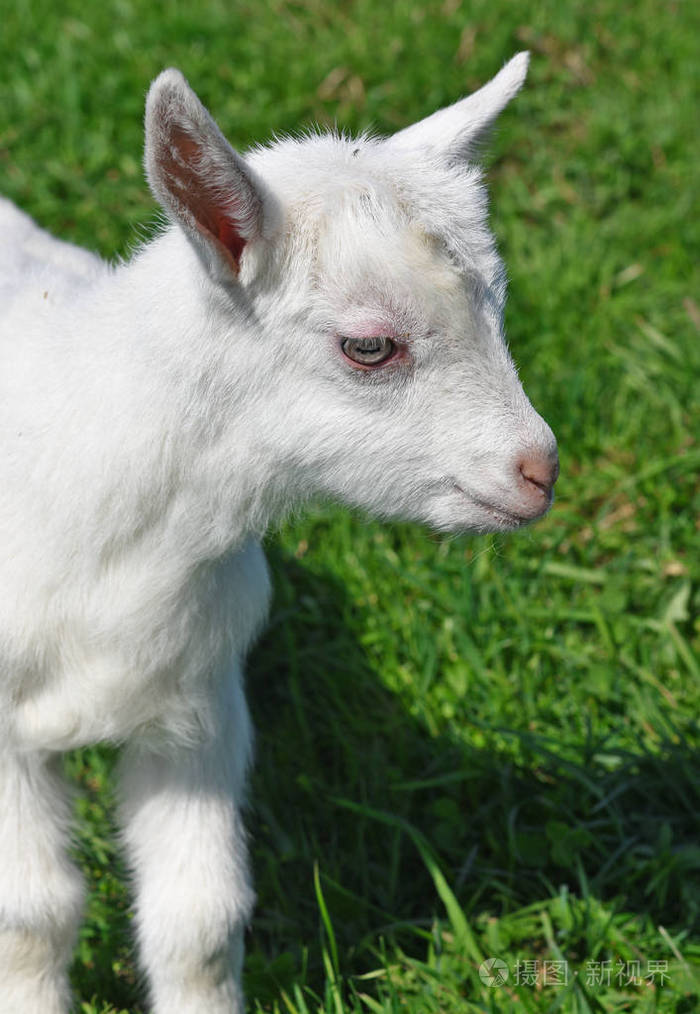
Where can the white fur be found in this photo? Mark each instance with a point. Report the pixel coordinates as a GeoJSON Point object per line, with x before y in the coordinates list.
{"type": "Point", "coordinates": [155, 417]}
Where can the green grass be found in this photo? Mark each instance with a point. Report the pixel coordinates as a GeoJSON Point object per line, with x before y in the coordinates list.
{"type": "Point", "coordinates": [467, 748]}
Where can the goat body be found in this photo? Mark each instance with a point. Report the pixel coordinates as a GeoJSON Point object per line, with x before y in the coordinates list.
{"type": "Point", "coordinates": [321, 318]}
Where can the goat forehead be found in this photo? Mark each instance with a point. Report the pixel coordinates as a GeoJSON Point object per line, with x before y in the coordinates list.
{"type": "Point", "coordinates": [362, 219]}
{"type": "Point", "coordinates": [386, 260]}
{"type": "Point", "coordinates": [305, 168]}
{"type": "Point", "coordinates": [314, 172]}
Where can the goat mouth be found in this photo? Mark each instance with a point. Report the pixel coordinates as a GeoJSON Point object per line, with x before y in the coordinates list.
{"type": "Point", "coordinates": [504, 518]}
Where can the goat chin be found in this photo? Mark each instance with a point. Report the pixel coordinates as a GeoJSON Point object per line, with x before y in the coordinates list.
{"type": "Point", "coordinates": [320, 317]}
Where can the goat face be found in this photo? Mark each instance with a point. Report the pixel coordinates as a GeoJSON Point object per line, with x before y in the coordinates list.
{"type": "Point", "coordinates": [380, 369]}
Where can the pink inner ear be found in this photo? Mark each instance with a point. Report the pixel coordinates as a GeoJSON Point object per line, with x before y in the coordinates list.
{"type": "Point", "coordinates": [182, 162]}
{"type": "Point", "coordinates": [231, 238]}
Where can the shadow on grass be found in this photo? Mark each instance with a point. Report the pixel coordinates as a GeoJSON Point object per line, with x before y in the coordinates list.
{"type": "Point", "coordinates": [510, 821]}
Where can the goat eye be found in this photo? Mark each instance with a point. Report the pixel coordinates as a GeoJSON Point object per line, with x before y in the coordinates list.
{"type": "Point", "coordinates": [368, 351]}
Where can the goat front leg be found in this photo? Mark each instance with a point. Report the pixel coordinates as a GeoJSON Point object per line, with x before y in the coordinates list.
{"type": "Point", "coordinates": [181, 814]}
{"type": "Point", "coordinates": [41, 893]}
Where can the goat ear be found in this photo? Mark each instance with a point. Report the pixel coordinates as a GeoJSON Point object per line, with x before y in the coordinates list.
{"type": "Point", "coordinates": [456, 131]}
{"type": "Point", "coordinates": [198, 178]}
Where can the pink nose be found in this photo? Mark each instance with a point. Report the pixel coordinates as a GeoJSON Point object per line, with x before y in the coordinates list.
{"type": "Point", "coordinates": [538, 473]}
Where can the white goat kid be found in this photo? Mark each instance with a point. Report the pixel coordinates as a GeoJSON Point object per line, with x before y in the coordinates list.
{"type": "Point", "coordinates": [323, 318]}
